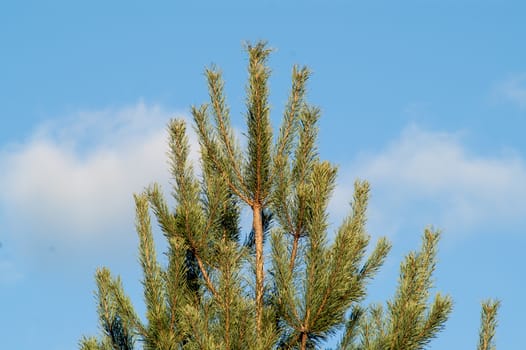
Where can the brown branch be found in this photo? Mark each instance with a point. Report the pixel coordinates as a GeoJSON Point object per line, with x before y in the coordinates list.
{"type": "Point", "coordinates": [327, 289]}
{"type": "Point", "coordinates": [260, 274]}
{"type": "Point", "coordinates": [294, 251]}
{"type": "Point", "coordinates": [303, 340]}
{"type": "Point", "coordinates": [232, 187]}
{"type": "Point", "coordinates": [206, 277]}
{"type": "Point", "coordinates": [304, 330]}
{"type": "Point", "coordinates": [226, 305]}
{"type": "Point", "coordinates": [217, 163]}
{"type": "Point", "coordinates": [257, 218]}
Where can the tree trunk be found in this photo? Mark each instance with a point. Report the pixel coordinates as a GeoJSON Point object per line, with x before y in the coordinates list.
{"type": "Point", "coordinates": [258, 233]}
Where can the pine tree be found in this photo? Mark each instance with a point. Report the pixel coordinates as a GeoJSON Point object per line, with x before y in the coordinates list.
{"type": "Point", "coordinates": [218, 292]}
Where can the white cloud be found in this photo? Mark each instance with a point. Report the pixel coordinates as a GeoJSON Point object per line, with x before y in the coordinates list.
{"type": "Point", "coordinates": [72, 181]}
{"type": "Point", "coordinates": [513, 90]}
{"type": "Point", "coordinates": [431, 178]}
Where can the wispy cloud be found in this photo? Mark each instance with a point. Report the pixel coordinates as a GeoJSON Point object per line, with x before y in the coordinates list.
{"type": "Point", "coordinates": [428, 177]}
{"type": "Point", "coordinates": [71, 182]}
{"type": "Point", "coordinates": [512, 90]}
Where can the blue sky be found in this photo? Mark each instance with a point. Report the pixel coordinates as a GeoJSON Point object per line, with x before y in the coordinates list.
{"type": "Point", "coordinates": [425, 99]}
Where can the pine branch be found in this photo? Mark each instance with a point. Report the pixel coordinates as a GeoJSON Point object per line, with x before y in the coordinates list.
{"type": "Point", "coordinates": [212, 154]}
{"type": "Point", "coordinates": [286, 301]}
{"type": "Point", "coordinates": [351, 329]}
{"type": "Point", "coordinates": [257, 169]}
{"type": "Point", "coordinates": [117, 323]}
{"type": "Point", "coordinates": [411, 327]}
{"type": "Point", "coordinates": [224, 130]}
{"type": "Point", "coordinates": [92, 343]}
{"type": "Point", "coordinates": [289, 127]}
{"type": "Point", "coordinates": [153, 281]}
{"type": "Point", "coordinates": [488, 324]}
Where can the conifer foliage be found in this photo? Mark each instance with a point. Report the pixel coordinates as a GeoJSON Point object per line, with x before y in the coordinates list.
{"type": "Point", "coordinates": [283, 285]}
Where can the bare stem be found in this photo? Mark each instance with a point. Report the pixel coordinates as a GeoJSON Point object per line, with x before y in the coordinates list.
{"type": "Point", "coordinates": [258, 232]}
